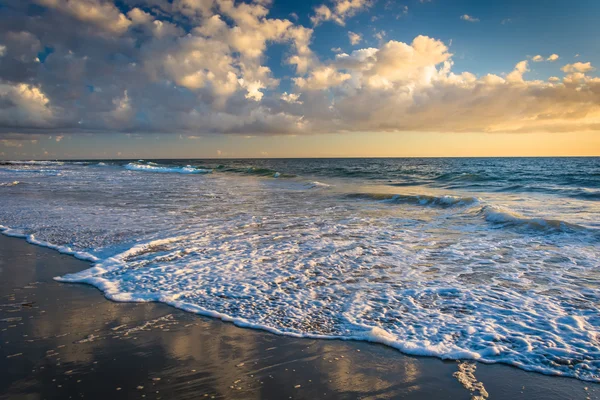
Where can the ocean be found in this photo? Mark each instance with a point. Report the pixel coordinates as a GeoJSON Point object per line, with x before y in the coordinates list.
{"type": "Point", "coordinates": [488, 259]}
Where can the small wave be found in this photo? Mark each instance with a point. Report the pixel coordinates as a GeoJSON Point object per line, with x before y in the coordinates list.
{"type": "Point", "coordinates": [255, 171]}
{"type": "Point", "coordinates": [503, 217]}
{"type": "Point", "coordinates": [464, 177]}
{"type": "Point", "coordinates": [62, 249]}
{"type": "Point", "coordinates": [425, 200]}
{"type": "Point", "coordinates": [15, 183]}
{"type": "Point", "coordinates": [587, 195]}
{"type": "Point", "coordinates": [153, 167]}
{"type": "Point", "coordinates": [32, 162]}
{"type": "Point", "coordinates": [47, 172]}
{"type": "Point", "coordinates": [316, 184]}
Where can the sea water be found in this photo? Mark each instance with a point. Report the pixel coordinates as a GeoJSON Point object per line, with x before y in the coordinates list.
{"type": "Point", "coordinates": [491, 259]}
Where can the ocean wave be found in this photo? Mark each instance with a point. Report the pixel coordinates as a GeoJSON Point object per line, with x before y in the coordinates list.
{"type": "Point", "coordinates": [61, 249]}
{"type": "Point", "coordinates": [153, 167]}
{"type": "Point", "coordinates": [317, 184]}
{"type": "Point", "coordinates": [32, 162]}
{"type": "Point", "coordinates": [425, 200]}
{"type": "Point", "coordinates": [14, 183]}
{"type": "Point", "coordinates": [258, 171]}
{"type": "Point", "coordinates": [576, 193]}
{"type": "Point", "coordinates": [503, 217]}
{"type": "Point", "coordinates": [445, 320]}
{"type": "Point", "coordinates": [43, 171]}
{"type": "Point", "coordinates": [462, 176]}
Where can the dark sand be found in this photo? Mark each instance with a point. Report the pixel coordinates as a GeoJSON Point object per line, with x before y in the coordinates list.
{"type": "Point", "coordinates": [61, 341]}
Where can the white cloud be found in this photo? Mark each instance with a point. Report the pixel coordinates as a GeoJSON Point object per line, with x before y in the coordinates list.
{"type": "Point", "coordinates": [539, 58]}
{"type": "Point", "coordinates": [27, 106]}
{"type": "Point", "coordinates": [469, 18]}
{"type": "Point", "coordinates": [379, 35]}
{"type": "Point", "coordinates": [355, 38]}
{"type": "Point", "coordinates": [578, 67]}
{"type": "Point", "coordinates": [516, 76]}
{"type": "Point", "coordinates": [320, 78]}
{"type": "Point", "coordinates": [291, 98]}
{"type": "Point", "coordinates": [103, 14]}
{"type": "Point", "coordinates": [139, 17]}
{"type": "Point", "coordinates": [339, 11]}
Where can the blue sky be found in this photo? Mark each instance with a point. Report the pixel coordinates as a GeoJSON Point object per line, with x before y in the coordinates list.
{"type": "Point", "coordinates": [228, 73]}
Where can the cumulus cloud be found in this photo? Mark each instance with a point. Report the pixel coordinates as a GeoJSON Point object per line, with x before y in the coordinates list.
{"type": "Point", "coordinates": [292, 98]}
{"type": "Point", "coordinates": [320, 78]}
{"type": "Point", "coordinates": [578, 67]}
{"type": "Point", "coordinates": [339, 11]}
{"type": "Point", "coordinates": [104, 15]}
{"type": "Point", "coordinates": [200, 66]}
{"type": "Point", "coordinates": [539, 58]}
{"type": "Point", "coordinates": [401, 86]}
{"type": "Point", "coordinates": [469, 18]}
{"type": "Point", "coordinates": [23, 105]}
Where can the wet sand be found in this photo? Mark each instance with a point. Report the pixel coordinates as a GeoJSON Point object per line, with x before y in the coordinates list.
{"type": "Point", "coordinates": [61, 341]}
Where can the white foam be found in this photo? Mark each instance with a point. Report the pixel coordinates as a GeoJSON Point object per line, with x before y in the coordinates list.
{"type": "Point", "coordinates": [152, 167]}
{"type": "Point", "coordinates": [13, 183]}
{"type": "Point", "coordinates": [63, 249]}
{"type": "Point", "coordinates": [317, 184]}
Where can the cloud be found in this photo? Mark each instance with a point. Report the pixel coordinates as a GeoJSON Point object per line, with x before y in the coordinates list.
{"type": "Point", "coordinates": [578, 67]}
{"type": "Point", "coordinates": [355, 38]}
{"type": "Point", "coordinates": [291, 98]}
{"type": "Point", "coordinates": [197, 67]}
{"type": "Point", "coordinates": [23, 105]}
{"type": "Point", "coordinates": [339, 11]}
{"type": "Point", "coordinates": [469, 18]}
{"type": "Point", "coordinates": [411, 87]}
{"type": "Point", "coordinates": [379, 35]}
{"type": "Point", "coordinates": [322, 78]}
{"type": "Point", "coordinates": [104, 15]}
{"type": "Point", "coordinates": [539, 58]}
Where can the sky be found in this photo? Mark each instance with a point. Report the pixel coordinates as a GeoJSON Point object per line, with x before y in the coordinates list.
{"type": "Point", "coordinates": [325, 78]}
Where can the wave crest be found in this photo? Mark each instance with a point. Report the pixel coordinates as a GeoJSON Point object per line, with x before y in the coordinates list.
{"type": "Point", "coordinates": [500, 216]}
{"type": "Point", "coordinates": [153, 167]}
{"type": "Point", "coordinates": [420, 199]}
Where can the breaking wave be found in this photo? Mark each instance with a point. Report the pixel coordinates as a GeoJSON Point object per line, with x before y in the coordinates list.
{"type": "Point", "coordinates": [153, 167]}
{"type": "Point", "coordinates": [425, 200]}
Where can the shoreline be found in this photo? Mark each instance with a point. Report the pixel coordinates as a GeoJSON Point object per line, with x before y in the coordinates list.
{"type": "Point", "coordinates": [253, 363]}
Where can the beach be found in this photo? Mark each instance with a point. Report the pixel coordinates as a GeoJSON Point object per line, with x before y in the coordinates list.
{"type": "Point", "coordinates": [67, 341]}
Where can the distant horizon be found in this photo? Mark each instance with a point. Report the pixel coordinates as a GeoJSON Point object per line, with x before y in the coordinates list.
{"type": "Point", "coordinates": [286, 158]}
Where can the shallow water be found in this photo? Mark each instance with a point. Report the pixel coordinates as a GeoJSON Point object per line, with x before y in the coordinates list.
{"type": "Point", "coordinates": [487, 259]}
